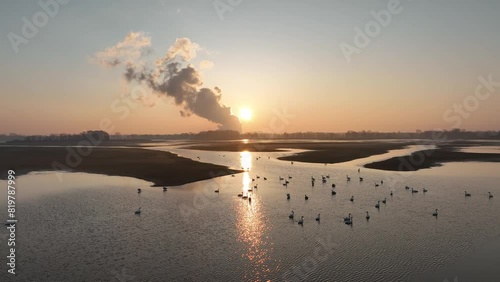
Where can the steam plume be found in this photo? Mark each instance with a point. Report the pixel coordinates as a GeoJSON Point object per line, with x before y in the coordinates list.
{"type": "Point", "coordinates": [171, 75]}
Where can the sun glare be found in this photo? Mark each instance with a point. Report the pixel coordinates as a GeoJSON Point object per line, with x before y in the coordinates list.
{"type": "Point", "coordinates": [245, 114]}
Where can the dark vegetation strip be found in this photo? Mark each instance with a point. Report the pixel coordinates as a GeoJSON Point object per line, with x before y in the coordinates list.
{"type": "Point", "coordinates": [161, 168]}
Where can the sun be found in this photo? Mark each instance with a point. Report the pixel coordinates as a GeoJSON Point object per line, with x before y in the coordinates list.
{"type": "Point", "coordinates": [245, 114]}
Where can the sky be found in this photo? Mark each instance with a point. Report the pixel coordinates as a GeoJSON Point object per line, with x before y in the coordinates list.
{"type": "Point", "coordinates": [329, 66]}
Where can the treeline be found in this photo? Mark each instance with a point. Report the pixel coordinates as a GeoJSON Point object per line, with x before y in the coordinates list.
{"type": "Point", "coordinates": [362, 135]}
{"type": "Point", "coordinates": [9, 137]}
{"type": "Point", "coordinates": [350, 135]}
{"type": "Point", "coordinates": [86, 135]}
{"type": "Point", "coordinates": [230, 135]}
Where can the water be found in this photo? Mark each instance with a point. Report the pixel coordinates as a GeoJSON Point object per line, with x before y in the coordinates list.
{"type": "Point", "coordinates": [84, 229]}
{"type": "Point", "coordinates": [481, 149]}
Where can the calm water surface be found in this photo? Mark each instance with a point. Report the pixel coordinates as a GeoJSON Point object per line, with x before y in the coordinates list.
{"type": "Point", "coordinates": [84, 228]}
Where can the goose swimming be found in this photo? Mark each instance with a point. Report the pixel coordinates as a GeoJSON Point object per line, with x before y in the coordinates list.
{"type": "Point", "coordinates": [291, 215]}
{"type": "Point", "coordinates": [318, 218]}
{"type": "Point", "coordinates": [367, 215]}
{"type": "Point", "coordinates": [306, 197]}
{"type": "Point", "coordinates": [467, 194]}
{"type": "Point", "coordinates": [489, 195]}
{"type": "Point", "coordinates": [138, 211]}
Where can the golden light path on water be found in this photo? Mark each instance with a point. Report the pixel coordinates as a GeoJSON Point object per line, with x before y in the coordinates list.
{"type": "Point", "coordinates": [252, 226]}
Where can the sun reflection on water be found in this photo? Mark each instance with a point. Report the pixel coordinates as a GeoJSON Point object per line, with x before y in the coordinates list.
{"type": "Point", "coordinates": [252, 226]}
{"type": "Point", "coordinates": [246, 160]}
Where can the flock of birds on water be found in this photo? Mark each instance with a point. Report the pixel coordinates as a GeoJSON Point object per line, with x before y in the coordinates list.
{"type": "Point", "coordinates": [348, 220]}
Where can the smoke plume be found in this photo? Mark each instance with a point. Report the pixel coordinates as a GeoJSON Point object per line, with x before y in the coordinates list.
{"type": "Point", "coordinates": [170, 75]}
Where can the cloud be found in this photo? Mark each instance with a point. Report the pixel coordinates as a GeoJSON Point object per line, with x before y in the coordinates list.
{"type": "Point", "coordinates": [172, 76]}
{"type": "Point", "coordinates": [135, 45]}
{"type": "Point", "coordinates": [205, 64]}
{"type": "Point", "coordinates": [182, 47]}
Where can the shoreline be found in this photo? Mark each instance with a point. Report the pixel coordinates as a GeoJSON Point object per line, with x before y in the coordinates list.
{"type": "Point", "coordinates": [158, 167]}
{"type": "Point", "coordinates": [424, 159]}
{"type": "Point", "coordinates": [317, 152]}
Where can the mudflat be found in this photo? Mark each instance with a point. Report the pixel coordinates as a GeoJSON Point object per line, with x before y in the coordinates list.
{"type": "Point", "coordinates": [317, 152]}
{"type": "Point", "coordinates": [161, 168]}
{"type": "Point", "coordinates": [431, 158]}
